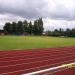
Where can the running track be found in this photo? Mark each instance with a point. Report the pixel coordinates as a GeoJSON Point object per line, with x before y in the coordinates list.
{"type": "Point", "coordinates": [22, 62]}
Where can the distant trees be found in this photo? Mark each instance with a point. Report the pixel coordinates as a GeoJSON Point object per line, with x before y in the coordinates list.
{"type": "Point", "coordinates": [19, 27]}
{"type": "Point", "coordinates": [8, 28]}
{"type": "Point", "coordinates": [70, 32]}
{"type": "Point", "coordinates": [35, 28]}
{"type": "Point", "coordinates": [14, 28]}
{"type": "Point", "coordinates": [38, 27]}
{"type": "Point", "coordinates": [30, 28]}
{"type": "Point", "coordinates": [24, 27]}
{"type": "Point", "coordinates": [61, 32]}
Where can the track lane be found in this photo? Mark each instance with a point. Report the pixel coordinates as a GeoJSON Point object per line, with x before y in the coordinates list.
{"type": "Point", "coordinates": [34, 60]}
{"type": "Point", "coordinates": [34, 55]}
{"type": "Point", "coordinates": [23, 71]}
{"type": "Point", "coordinates": [70, 71]}
{"type": "Point", "coordinates": [28, 60]}
{"type": "Point", "coordinates": [34, 64]}
{"type": "Point", "coordinates": [32, 50]}
{"type": "Point", "coordinates": [11, 54]}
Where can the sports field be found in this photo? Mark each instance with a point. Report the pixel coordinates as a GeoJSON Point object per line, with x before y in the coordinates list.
{"type": "Point", "coordinates": [24, 62]}
{"type": "Point", "coordinates": [31, 42]}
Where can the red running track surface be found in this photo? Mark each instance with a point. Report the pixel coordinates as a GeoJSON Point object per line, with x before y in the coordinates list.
{"type": "Point", "coordinates": [70, 71]}
{"type": "Point", "coordinates": [21, 62]}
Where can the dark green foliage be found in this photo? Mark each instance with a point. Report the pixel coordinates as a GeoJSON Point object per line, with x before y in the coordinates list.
{"type": "Point", "coordinates": [30, 28]}
{"type": "Point", "coordinates": [35, 27]}
{"type": "Point", "coordinates": [24, 27]}
{"type": "Point", "coordinates": [61, 32]}
{"type": "Point", "coordinates": [38, 27]}
{"type": "Point", "coordinates": [20, 27]}
{"type": "Point", "coordinates": [8, 28]}
{"type": "Point", "coordinates": [72, 32]}
{"type": "Point", "coordinates": [14, 28]}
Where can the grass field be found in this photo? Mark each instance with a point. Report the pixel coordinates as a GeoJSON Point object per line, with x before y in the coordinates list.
{"type": "Point", "coordinates": [31, 42]}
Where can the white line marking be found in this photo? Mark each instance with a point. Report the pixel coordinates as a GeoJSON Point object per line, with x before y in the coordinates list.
{"type": "Point", "coordinates": [39, 67]}
{"type": "Point", "coordinates": [50, 69]}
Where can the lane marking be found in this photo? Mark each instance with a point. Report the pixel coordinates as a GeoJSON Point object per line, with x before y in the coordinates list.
{"type": "Point", "coordinates": [69, 61]}
{"type": "Point", "coordinates": [50, 69]}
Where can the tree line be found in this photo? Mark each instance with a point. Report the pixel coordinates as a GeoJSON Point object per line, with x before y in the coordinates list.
{"type": "Point", "coordinates": [35, 28]}
{"type": "Point", "coordinates": [62, 32]}
{"type": "Point", "coordinates": [25, 27]}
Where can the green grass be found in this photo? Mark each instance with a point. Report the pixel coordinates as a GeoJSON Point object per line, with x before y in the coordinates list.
{"type": "Point", "coordinates": [30, 42]}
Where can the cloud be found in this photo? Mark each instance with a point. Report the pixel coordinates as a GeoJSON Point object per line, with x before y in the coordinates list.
{"type": "Point", "coordinates": [55, 13]}
{"type": "Point", "coordinates": [55, 9]}
{"type": "Point", "coordinates": [51, 24]}
{"type": "Point", "coordinates": [24, 8]}
{"type": "Point", "coordinates": [62, 9]}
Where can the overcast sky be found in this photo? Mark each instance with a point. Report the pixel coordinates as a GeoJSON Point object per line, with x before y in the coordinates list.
{"type": "Point", "coordinates": [55, 13]}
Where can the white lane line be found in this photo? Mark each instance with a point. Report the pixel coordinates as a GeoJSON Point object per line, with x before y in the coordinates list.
{"type": "Point", "coordinates": [36, 61]}
{"type": "Point", "coordinates": [39, 57]}
{"type": "Point", "coordinates": [50, 69]}
{"type": "Point", "coordinates": [69, 61]}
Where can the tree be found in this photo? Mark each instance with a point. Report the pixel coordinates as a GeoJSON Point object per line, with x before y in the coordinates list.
{"type": "Point", "coordinates": [25, 26]}
{"type": "Point", "coordinates": [20, 27]}
{"type": "Point", "coordinates": [67, 32]}
{"type": "Point", "coordinates": [72, 33]}
{"type": "Point", "coordinates": [35, 27]}
{"type": "Point", "coordinates": [56, 32]}
{"type": "Point", "coordinates": [8, 28]}
{"type": "Point", "coordinates": [14, 28]}
{"type": "Point", "coordinates": [30, 28]}
{"type": "Point", "coordinates": [40, 26]}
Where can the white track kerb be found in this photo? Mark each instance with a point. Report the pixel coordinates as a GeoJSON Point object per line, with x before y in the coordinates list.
{"type": "Point", "coordinates": [53, 69]}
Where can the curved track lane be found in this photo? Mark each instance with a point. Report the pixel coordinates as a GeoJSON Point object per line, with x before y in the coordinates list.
{"type": "Point", "coordinates": [21, 62]}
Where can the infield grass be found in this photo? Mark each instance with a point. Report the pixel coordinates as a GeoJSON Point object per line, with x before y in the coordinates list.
{"type": "Point", "coordinates": [31, 42]}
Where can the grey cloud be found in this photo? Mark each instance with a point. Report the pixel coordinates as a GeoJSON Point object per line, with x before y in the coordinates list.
{"type": "Point", "coordinates": [25, 8]}
{"type": "Point", "coordinates": [37, 8]}
{"type": "Point", "coordinates": [61, 11]}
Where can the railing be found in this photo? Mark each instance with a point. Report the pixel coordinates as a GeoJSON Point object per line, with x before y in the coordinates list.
{"type": "Point", "coordinates": [53, 69]}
